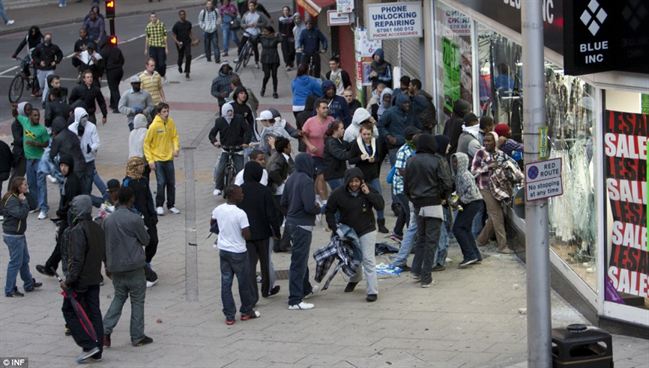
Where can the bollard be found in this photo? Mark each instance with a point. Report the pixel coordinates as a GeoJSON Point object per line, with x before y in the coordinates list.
{"type": "Point", "coordinates": [581, 346]}
{"type": "Point", "coordinates": [191, 245]}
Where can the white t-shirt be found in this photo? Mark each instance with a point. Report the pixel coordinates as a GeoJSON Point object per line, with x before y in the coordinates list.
{"type": "Point", "coordinates": [238, 180]}
{"type": "Point", "coordinates": [231, 220]}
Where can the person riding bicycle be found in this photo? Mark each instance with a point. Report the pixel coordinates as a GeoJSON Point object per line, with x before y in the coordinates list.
{"type": "Point", "coordinates": [252, 22]}
{"type": "Point", "coordinates": [310, 40]}
{"type": "Point", "coordinates": [233, 131]}
{"type": "Point", "coordinates": [33, 38]}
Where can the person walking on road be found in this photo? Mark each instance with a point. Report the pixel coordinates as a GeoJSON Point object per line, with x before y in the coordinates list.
{"type": "Point", "coordinates": [229, 13]}
{"type": "Point", "coordinates": [126, 235]}
{"type": "Point", "coordinates": [231, 225]}
{"type": "Point", "coordinates": [83, 251]}
{"type": "Point", "coordinates": [152, 82]}
{"type": "Point", "coordinates": [15, 210]}
{"type": "Point", "coordinates": [269, 57]}
{"type": "Point", "coordinates": [89, 143]}
{"type": "Point", "coordinates": [161, 145]}
{"type": "Point", "coordinates": [3, 15]}
{"type": "Point", "coordinates": [208, 20]}
{"type": "Point", "coordinates": [46, 57]}
{"type": "Point", "coordinates": [285, 27]}
{"type": "Point", "coordinates": [135, 101]}
{"type": "Point", "coordinates": [252, 21]}
{"type": "Point", "coordinates": [155, 43]}
{"type": "Point", "coordinates": [299, 204]}
{"type": "Point", "coordinates": [181, 32]}
{"type": "Point", "coordinates": [114, 66]}
{"type": "Point", "coordinates": [35, 139]}
{"type": "Point", "coordinates": [354, 202]}
{"type": "Point", "coordinates": [222, 84]}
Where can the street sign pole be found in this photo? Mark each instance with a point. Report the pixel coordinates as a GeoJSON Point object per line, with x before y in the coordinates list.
{"type": "Point", "coordinates": [539, 324]}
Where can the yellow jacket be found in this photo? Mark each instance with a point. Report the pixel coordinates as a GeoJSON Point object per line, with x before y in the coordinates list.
{"type": "Point", "coordinates": [161, 140]}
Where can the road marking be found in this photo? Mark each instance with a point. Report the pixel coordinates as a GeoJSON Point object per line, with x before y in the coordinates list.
{"type": "Point", "coordinates": [9, 70]}
{"type": "Point", "coordinates": [134, 38]}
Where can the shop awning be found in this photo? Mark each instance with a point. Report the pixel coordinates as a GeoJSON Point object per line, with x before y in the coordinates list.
{"type": "Point", "coordinates": [314, 7]}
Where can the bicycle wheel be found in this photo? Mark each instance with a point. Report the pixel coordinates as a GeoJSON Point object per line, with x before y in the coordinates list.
{"type": "Point", "coordinates": [16, 88]}
{"type": "Point", "coordinates": [242, 56]}
{"type": "Point", "coordinates": [246, 58]}
{"type": "Point", "coordinates": [230, 174]}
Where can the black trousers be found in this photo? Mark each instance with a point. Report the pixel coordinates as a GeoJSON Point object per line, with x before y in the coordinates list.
{"type": "Point", "coordinates": [315, 59]}
{"type": "Point", "coordinates": [114, 76]}
{"type": "Point", "coordinates": [158, 54]}
{"type": "Point", "coordinates": [270, 70]}
{"type": "Point", "coordinates": [255, 48]}
{"type": "Point", "coordinates": [284, 244]}
{"type": "Point", "coordinates": [185, 52]}
{"type": "Point", "coordinates": [151, 248]}
{"type": "Point", "coordinates": [19, 167]}
{"type": "Point", "coordinates": [288, 51]}
{"type": "Point", "coordinates": [258, 251]}
{"type": "Point", "coordinates": [89, 300]}
{"type": "Point", "coordinates": [55, 257]}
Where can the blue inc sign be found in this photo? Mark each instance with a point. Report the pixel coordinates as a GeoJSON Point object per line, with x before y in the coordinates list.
{"type": "Point", "coordinates": [394, 20]}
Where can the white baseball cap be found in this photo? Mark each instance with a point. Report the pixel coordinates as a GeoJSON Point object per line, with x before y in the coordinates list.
{"type": "Point", "coordinates": [265, 115]}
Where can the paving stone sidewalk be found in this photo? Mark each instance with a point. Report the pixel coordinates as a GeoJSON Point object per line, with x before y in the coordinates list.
{"type": "Point", "coordinates": [469, 318]}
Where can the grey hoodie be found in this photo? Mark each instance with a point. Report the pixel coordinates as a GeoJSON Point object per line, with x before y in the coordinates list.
{"type": "Point", "coordinates": [465, 185]}
{"type": "Point", "coordinates": [136, 137]}
{"type": "Point", "coordinates": [125, 238]}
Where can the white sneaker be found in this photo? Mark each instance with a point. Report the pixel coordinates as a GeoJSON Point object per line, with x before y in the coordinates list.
{"type": "Point", "coordinates": [52, 179]}
{"type": "Point", "coordinates": [174, 210]}
{"type": "Point", "coordinates": [216, 192]}
{"type": "Point", "coordinates": [160, 211]}
{"type": "Point", "coordinates": [151, 283]}
{"type": "Point", "coordinates": [42, 215]}
{"type": "Point", "coordinates": [2, 218]}
{"type": "Point", "coordinates": [314, 291]}
{"type": "Point", "coordinates": [301, 306]}
{"type": "Point", "coordinates": [11, 21]}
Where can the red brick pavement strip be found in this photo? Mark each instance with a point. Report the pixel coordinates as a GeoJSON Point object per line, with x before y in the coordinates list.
{"type": "Point", "coordinates": [203, 106]}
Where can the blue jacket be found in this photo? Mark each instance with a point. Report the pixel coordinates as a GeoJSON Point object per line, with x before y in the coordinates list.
{"type": "Point", "coordinates": [304, 86]}
{"type": "Point", "coordinates": [310, 40]}
{"type": "Point", "coordinates": [298, 199]}
{"type": "Point", "coordinates": [338, 107]}
{"type": "Point", "coordinates": [394, 121]}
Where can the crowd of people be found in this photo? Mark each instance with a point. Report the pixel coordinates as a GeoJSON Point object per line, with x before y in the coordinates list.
{"type": "Point", "coordinates": [438, 185]}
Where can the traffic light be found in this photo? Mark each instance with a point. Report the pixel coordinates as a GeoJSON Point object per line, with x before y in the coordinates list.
{"type": "Point", "coordinates": [112, 40]}
{"type": "Point", "coordinates": [110, 9]}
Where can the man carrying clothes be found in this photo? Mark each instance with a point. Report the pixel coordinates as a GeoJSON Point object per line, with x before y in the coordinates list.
{"type": "Point", "coordinates": [125, 238]}
{"type": "Point", "coordinates": [83, 251]}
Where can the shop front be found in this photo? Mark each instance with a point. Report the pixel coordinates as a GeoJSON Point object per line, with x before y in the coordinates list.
{"type": "Point", "coordinates": [597, 123]}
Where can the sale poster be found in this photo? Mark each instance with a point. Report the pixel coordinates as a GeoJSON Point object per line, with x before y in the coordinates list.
{"type": "Point", "coordinates": [625, 148]}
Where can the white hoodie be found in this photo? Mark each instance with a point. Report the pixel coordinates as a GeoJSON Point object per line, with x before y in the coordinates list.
{"type": "Point", "coordinates": [136, 138]}
{"type": "Point", "coordinates": [352, 131]}
{"type": "Point", "coordinates": [90, 138]}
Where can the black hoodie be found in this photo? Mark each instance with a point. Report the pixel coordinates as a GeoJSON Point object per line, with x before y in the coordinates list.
{"type": "Point", "coordinates": [258, 204]}
{"type": "Point", "coordinates": [70, 189]}
{"type": "Point", "coordinates": [428, 178]}
{"type": "Point", "coordinates": [243, 109]}
{"type": "Point", "coordinates": [66, 143]}
{"type": "Point", "coordinates": [453, 126]}
{"type": "Point", "coordinates": [355, 208]}
{"type": "Point", "coordinates": [298, 199]}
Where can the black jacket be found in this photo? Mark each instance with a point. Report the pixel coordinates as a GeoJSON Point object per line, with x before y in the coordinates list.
{"type": "Point", "coordinates": [54, 109]}
{"type": "Point", "coordinates": [370, 169]}
{"type": "Point", "coordinates": [17, 144]}
{"type": "Point", "coordinates": [269, 53]}
{"type": "Point", "coordinates": [298, 199]}
{"type": "Point", "coordinates": [70, 189]}
{"type": "Point", "coordinates": [243, 109]}
{"type": "Point", "coordinates": [355, 210]}
{"type": "Point", "coordinates": [428, 178]}
{"type": "Point", "coordinates": [278, 170]}
{"type": "Point", "coordinates": [48, 54]}
{"type": "Point", "coordinates": [83, 247]}
{"type": "Point", "coordinates": [66, 143]}
{"type": "Point", "coordinates": [234, 134]}
{"type": "Point", "coordinates": [87, 96]}
{"type": "Point", "coordinates": [113, 58]}
{"type": "Point", "coordinates": [143, 199]}
{"type": "Point", "coordinates": [15, 213]}
{"type": "Point", "coordinates": [258, 204]}
{"type": "Point", "coordinates": [6, 158]}
{"type": "Point", "coordinates": [336, 154]}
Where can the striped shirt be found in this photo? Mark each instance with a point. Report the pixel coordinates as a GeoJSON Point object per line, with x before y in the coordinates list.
{"type": "Point", "coordinates": [152, 83]}
{"type": "Point", "coordinates": [156, 34]}
{"type": "Point", "coordinates": [208, 20]}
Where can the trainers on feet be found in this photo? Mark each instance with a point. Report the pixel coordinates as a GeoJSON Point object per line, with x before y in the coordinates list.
{"type": "Point", "coordinates": [52, 179]}
{"type": "Point", "coordinates": [314, 290]}
{"type": "Point", "coordinates": [44, 270]}
{"type": "Point", "coordinates": [272, 291]}
{"type": "Point", "coordinates": [174, 210]}
{"type": "Point", "coordinates": [160, 211]}
{"type": "Point", "coordinates": [42, 215]}
{"type": "Point", "coordinates": [85, 355]}
{"type": "Point", "coordinates": [438, 268]}
{"type": "Point", "coordinates": [144, 341]}
{"type": "Point", "coordinates": [150, 284]}
{"type": "Point", "coordinates": [350, 286]}
{"type": "Point", "coordinates": [371, 298]}
{"type": "Point", "coordinates": [505, 251]}
{"type": "Point", "coordinates": [467, 263]}
{"type": "Point", "coordinates": [301, 306]}
{"type": "Point", "coordinates": [10, 22]}
{"type": "Point", "coordinates": [252, 315]}
{"type": "Point", "coordinates": [229, 322]}
{"type": "Point", "coordinates": [14, 293]}
{"type": "Point", "coordinates": [216, 192]}
{"type": "Point", "coordinates": [35, 285]}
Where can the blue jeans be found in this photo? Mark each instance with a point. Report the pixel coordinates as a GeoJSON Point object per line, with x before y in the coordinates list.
{"type": "Point", "coordinates": [165, 177]}
{"type": "Point", "coordinates": [445, 231]}
{"type": "Point", "coordinates": [376, 185]}
{"type": "Point", "coordinates": [91, 177]}
{"type": "Point", "coordinates": [211, 44]}
{"type": "Point", "coordinates": [62, 2]}
{"type": "Point", "coordinates": [219, 169]}
{"type": "Point", "coordinates": [428, 229]}
{"type": "Point", "coordinates": [18, 262]}
{"type": "Point", "coordinates": [408, 241]}
{"type": "Point", "coordinates": [36, 183]}
{"type": "Point", "coordinates": [235, 264]}
{"type": "Point", "coordinates": [335, 183]}
{"type": "Point", "coordinates": [298, 273]}
{"type": "Point", "coordinates": [228, 34]}
{"type": "Point", "coordinates": [462, 230]}
{"type": "Point", "coordinates": [3, 14]}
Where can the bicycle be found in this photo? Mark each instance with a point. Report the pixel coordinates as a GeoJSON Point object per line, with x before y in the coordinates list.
{"type": "Point", "coordinates": [21, 82]}
{"type": "Point", "coordinates": [246, 52]}
{"type": "Point", "coordinates": [311, 61]}
{"type": "Point", "coordinates": [230, 167]}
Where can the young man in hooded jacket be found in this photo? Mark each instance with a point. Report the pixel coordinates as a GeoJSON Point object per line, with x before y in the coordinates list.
{"type": "Point", "coordinates": [222, 84]}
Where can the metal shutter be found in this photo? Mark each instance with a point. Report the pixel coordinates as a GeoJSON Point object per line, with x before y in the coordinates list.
{"type": "Point", "coordinates": [412, 57]}
{"type": "Point", "coordinates": [391, 51]}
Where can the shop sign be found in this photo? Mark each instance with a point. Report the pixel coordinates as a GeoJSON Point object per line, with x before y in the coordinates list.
{"type": "Point", "coordinates": [344, 6]}
{"type": "Point", "coordinates": [543, 179]}
{"type": "Point", "coordinates": [338, 19]}
{"type": "Point", "coordinates": [457, 22]}
{"type": "Point", "coordinates": [365, 48]}
{"type": "Point", "coordinates": [508, 13]}
{"type": "Point", "coordinates": [604, 35]}
{"type": "Point", "coordinates": [625, 148]}
{"type": "Point", "coordinates": [394, 20]}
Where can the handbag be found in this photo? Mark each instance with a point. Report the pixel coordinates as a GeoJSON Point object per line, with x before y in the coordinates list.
{"type": "Point", "coordinates": [235, 24]}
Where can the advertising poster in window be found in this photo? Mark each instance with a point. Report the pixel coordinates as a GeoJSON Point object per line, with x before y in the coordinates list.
{"type": "Point", "coordinates": [451, 62]}
{"type": "Point", "coordinates": [625, 149]}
